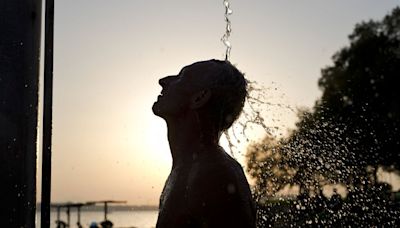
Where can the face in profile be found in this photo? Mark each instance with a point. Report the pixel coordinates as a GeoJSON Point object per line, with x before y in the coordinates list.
{"type": "Point", "coordinates": [178, 90]}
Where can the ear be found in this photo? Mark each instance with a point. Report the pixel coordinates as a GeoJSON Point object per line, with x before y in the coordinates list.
{"type": "Point", "coordinates": [200, 98]}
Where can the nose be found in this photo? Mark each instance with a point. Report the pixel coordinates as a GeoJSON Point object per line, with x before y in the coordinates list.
{"type": "Point", "coordinates": [165, 81]}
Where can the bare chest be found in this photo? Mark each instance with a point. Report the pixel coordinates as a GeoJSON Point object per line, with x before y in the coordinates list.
{"type": "Point", "coordinates": [174, 198]}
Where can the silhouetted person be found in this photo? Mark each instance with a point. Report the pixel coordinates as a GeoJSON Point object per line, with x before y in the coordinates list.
{"type": "Point", "coordinates": [206, 187]}
{"type": "Point", "coordinates": [94, 225]}
{"type": "Point", "coordinates": [335, 201]}
{"type": "Point", "coordinates": [106, 224]}
{"type": "Point", "coordinates": [320, 202]}
{"type": "Point", "coordinates": [61, 224]}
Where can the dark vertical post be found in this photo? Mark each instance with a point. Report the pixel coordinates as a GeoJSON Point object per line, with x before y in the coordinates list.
{"type": "Point", "coordinates": [47, 113]}
{"type": "Point", "coordinates": [105, 211]}
{"type": "Point", "coordinates": [58, 213]}
{"type": "Point", "coordinates": [20, 23]}
{"type": "Point", "coordinates": [68, 216]}
{"type": "Point", "coordinates": [79, 214]}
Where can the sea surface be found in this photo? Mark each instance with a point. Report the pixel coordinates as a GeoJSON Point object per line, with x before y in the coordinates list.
{"type": "Point", "coordinates": [125, 219]}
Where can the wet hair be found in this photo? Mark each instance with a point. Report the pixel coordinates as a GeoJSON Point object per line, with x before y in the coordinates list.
{"type": "Point", "coordinates": [229, 91]}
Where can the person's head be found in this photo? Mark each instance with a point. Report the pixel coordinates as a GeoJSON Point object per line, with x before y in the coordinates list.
{"type": "Point", "coordinates": [214, 89]}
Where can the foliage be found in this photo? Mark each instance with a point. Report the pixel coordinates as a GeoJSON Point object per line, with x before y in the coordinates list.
{"type": "Point", "coordinates": [351, 131]}
{"type": "Point", "coordinates": [361, 91]}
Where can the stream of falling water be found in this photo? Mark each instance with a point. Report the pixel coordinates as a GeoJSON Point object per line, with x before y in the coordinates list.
{"type": "Point", "coordinates": [228, 30]}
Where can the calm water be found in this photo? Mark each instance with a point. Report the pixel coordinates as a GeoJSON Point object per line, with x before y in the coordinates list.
{"type": "Point", "coordinates": [139, 219]}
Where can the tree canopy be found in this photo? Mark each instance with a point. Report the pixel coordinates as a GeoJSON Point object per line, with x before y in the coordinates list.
{"type": "Point", "coordinates": [353, 128]}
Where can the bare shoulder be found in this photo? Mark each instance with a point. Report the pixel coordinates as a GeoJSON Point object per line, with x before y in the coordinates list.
{"type": "Point", "coordinates": [220, 175]}
{"type": "Point", "coordinates": [220, 167]}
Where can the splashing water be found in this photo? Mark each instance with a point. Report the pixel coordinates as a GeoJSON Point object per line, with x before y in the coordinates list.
{"type": "Point", "coordinates": [261, 101]}
{"type": "Point", "coordinates": [316, 161]}
{"type": "Point", "coordinates": [313, 159]}
{"type": "Point", "coordinates": [324, 172]}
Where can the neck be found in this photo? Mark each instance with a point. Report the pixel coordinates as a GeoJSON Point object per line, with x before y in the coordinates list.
{"type": "Point", "coordinates": [188, 140]}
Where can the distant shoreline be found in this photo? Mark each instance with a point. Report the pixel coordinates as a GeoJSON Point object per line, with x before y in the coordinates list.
{"type": "Point", "coordinates": [110, 208]}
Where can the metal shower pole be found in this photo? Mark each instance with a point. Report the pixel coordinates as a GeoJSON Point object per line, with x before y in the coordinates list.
{"type": "Point", "coordinates": [47, 113]}
{"type": "Point", "coordinates": [20, 29]}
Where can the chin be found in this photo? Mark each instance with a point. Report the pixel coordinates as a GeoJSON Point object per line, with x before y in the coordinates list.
{"type": "Point", "coordinates": [157, 110]}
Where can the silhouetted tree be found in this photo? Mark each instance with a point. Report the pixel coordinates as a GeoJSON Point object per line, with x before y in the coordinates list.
{"type": "Point", "coordinates": [351, 131]}
{"type": "Point", "coordinates": [361, 92]}
{"type": "Point", "coordinates": [356, 122]}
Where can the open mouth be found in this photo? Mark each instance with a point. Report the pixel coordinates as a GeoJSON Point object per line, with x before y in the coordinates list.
{"type": "Point", "coordinates": [161, 94]}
